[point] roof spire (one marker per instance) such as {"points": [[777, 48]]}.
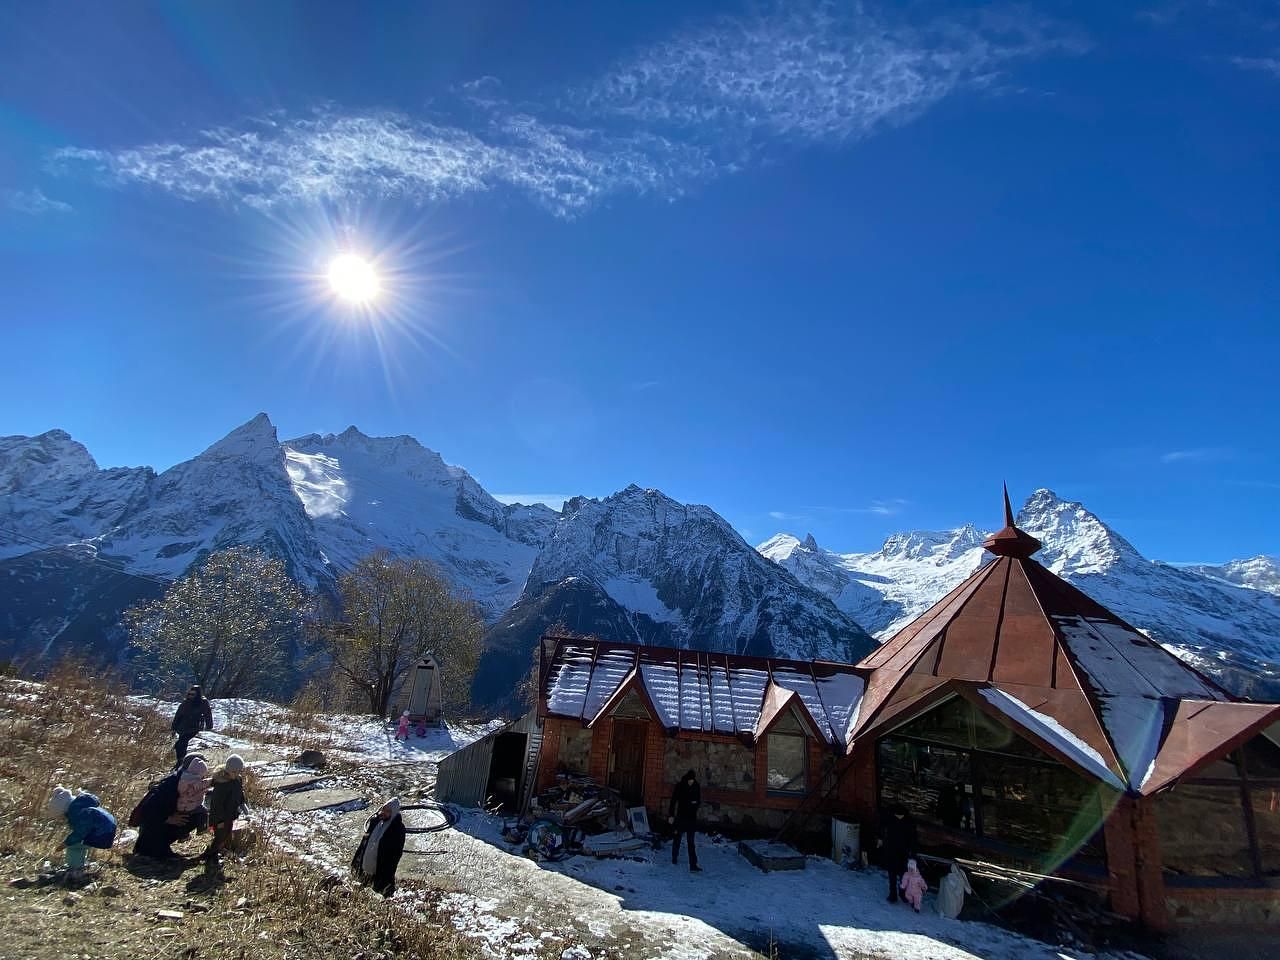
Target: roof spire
{"points": [[1011, 542]]}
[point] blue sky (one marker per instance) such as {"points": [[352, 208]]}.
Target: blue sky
{"points": [[827, 268]]}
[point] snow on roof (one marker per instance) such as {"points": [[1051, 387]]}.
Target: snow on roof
{"points": [[698, 691], [1051, 731], [1135, 726], [1121, 661]]}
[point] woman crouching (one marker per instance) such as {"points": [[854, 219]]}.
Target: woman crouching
{"points": [[379, 852]]}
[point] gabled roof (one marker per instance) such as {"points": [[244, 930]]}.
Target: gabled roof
{"points": [[1041, 651], [696, 691]]}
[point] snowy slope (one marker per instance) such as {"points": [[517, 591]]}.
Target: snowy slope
{"points": [[689, 579], [886, 589], [1258, 573], [365, 493], [235, 492], [52, 492], [1230, 631]]}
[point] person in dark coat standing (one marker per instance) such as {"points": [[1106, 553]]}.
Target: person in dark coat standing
{"points": [[193, 715], [379, 852], [683, 816], [898, 845], [159, 821]]}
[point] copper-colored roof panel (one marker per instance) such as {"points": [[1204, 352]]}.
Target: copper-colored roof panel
{"points": [[903, 647], [1026, 646], [971, 634], [1203, 731]]}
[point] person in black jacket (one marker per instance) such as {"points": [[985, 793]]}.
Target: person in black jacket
{"points": [[160, 824], [379, 852], [683, 815], [193, 715], [898, 845]]}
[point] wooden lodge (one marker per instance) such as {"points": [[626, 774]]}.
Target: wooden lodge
{"points": [[1019, 721]]}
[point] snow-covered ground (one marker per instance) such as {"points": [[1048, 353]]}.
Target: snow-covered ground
{"points": [[639, 906]]}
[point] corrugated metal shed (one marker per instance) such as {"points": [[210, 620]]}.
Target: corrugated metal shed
{"points": [[463, 776]]}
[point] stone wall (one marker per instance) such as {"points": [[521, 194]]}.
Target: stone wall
{"points": [[719, 766]]}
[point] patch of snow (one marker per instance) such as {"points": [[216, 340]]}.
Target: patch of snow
{"points": [[1052, 731]]}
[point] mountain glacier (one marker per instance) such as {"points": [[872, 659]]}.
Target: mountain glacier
{"points": [[1225, 629]]}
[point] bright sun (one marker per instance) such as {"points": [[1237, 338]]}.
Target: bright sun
{"points": [[353, 278]]}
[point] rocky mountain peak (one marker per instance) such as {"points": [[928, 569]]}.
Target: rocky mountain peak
{"points": [[1074, 539], [255, 440], [53, 456], [810, 544]]}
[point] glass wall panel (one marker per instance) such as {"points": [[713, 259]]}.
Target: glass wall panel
{"points": [[934, 782]]}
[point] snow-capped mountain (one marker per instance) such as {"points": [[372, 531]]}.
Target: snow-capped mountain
{"points": [[886, 589], [648, 569], [1227, 630], [364, 493], [1257, 573], [665, 572], [235, 492], [52, 492]]}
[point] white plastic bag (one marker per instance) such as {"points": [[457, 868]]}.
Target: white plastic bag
{"points": [[951, 892]]}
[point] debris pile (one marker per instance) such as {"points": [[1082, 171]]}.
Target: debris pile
{"points": [[579, 815]]}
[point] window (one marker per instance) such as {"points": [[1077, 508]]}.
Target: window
{"points": [[786, 762]]}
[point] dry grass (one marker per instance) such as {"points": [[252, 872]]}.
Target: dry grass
{"points": [[83, 731]]}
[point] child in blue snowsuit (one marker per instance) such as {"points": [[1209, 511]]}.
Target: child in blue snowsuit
{"points": [[91, 826]]}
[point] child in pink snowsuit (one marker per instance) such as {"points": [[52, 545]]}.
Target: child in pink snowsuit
{"points": [[402, 731], [913, 885]]}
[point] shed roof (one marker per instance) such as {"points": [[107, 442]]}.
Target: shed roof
{"points": [[1053, 660], [697, 691]]}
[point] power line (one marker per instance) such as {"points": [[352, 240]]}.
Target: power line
{"points": [[111, 565]]}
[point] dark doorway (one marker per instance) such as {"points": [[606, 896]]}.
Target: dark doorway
{"points": [[627, 763], [505, 770]]}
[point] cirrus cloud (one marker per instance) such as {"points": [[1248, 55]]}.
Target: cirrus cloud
{"points": [[704, 103]]}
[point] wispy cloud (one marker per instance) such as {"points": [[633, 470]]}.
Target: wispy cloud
{"points": [[33, 202], [1196, 455], [331, 156], [1269, 65], [553, 500], [784, 516], [885, 508], [701, 104], [821, 73]]}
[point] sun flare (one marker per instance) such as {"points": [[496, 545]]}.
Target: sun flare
{"points": [[353, 278]]}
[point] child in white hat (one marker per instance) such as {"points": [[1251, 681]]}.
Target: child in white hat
{"points": [[91, 826]]}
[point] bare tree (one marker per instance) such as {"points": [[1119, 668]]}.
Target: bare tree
{"points": [[229, 625], [394, 612]]}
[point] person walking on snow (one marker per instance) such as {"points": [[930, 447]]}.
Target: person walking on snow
{"points": [[193, 715], [897, 845], [683, 815], [226, 801], [402, 729], [91, 826], [379, 852], [913, 885]]}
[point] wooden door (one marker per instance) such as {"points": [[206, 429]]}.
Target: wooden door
{"points": [[626, 763]]}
